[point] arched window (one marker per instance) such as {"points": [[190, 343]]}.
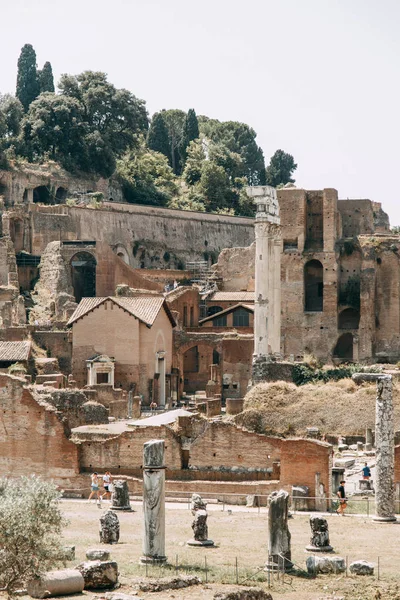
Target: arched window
{"points": [[191, 360], [83, 271], [216, 357], [212, 310], [241, 318], [313, 286], [349, 319], [344, 346]]}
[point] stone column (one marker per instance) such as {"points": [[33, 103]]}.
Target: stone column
{"points": [[153, 502], [384, 442], [368, 439], [267, 279], [279, 550], [120, 496]]}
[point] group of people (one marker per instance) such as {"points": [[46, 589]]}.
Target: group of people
{"points": [[95, 486]]}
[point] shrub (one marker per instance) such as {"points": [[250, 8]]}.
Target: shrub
{"points": [[30, 530], [17, 368], [303, 374]]}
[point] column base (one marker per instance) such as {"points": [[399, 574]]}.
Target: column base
{"points": [[153, 560], [319, 548], [199, 543], [391, 519], [125, 508]]}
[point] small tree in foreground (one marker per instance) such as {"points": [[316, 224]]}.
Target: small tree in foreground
{"points": [[30, 530]]}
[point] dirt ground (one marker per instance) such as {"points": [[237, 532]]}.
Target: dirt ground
{"points": [[241, 533]]}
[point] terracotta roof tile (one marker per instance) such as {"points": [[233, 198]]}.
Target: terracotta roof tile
{"points": [[13, 351], [233, 297]]}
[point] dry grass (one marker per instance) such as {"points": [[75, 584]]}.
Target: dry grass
{"points": [[242, 534], [339, 407]]}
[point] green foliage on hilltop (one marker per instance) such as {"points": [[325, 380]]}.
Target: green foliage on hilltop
{"points": [[178, 159]]}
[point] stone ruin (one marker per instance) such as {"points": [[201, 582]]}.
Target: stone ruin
{"points": [[319, 541], [120, 495], [199, 525], [279, 548], [109, 528]]}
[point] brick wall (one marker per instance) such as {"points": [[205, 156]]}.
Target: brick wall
{"points": [[302, 459], [59, 345], [32, 438]]}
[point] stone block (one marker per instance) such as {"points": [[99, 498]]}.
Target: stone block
{"points": [[325, 564], [166, 583], [362, 567], [342, 447], [97, 554], [300, 493], [109, 528], [244, 593], [365, 484], [234, 406], [69, 552], [344, 462], [98, 574]]}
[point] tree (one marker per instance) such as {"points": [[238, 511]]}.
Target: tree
{"points": [[190, 132], [280, 169], [116, 114], [157, 137], [55, 125], [46, 78], [28, 86], [175, 119], [194, 162], [11, 113], [240, 139], [146, 177], [30, 530], [214, 184]]}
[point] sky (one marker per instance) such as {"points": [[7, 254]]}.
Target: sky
{"points": [[317, 78]]}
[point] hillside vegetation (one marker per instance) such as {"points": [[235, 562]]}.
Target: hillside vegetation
{"points": [[336, 408], [174, 159]]}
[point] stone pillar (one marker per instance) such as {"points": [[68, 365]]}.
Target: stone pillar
{"points": [[384, 442], [109, 528], [319, 541], [279, 550], [153, 502], [136, 407], [199, 525], [267, 307]]}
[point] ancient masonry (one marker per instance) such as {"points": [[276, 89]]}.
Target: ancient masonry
{"points": [[154, 502]]}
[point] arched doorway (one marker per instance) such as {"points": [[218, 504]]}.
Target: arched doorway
{"points": [[313, 286], [41, 194], [344, 347], [83, 274], [61, 195], [17, 234], [122, 253], [349, 319]]}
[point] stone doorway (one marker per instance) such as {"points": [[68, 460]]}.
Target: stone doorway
{"points": [[344, 347], [83, 274]]}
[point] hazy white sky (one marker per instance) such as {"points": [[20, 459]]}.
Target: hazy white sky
{"points": [[318, 78]]}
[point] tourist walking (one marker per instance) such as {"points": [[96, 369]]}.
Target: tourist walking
{"points": [[95, 487], [107, 484], [366, 471], [341, 494]]}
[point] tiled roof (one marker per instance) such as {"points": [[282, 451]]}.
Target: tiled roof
{"points": [[249, 307], [233, 297], [13, 351], [145, 308]]}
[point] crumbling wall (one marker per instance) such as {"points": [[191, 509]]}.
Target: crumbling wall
{"points": [[235, 269], [32, 437], [53, 294]]}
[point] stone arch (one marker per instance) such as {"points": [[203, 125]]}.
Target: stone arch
{"points": [[313, 286], [344, 347], [61, 195], [122, 252], [349, 318], [41, 194], [83, 275]]}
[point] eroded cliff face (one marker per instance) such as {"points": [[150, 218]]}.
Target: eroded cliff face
{"points": [[52, 297]]}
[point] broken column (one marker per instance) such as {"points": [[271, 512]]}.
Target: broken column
{"points": [[199, 525], [267, 308], [56, 583], [384, 443], [279, 550], [153, 502], [120, 496], [319, 541]]}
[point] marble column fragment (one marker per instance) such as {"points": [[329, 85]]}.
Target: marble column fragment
{"points": [[279, 549], [319, 541], [153, 502], [384, 443], [120, 496]]}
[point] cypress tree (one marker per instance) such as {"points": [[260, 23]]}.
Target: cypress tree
{"points": [[46, 78], [28, 86], [157, 138], [190, 132]]}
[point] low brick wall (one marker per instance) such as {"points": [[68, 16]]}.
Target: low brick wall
{"points": [[234, 406]]}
